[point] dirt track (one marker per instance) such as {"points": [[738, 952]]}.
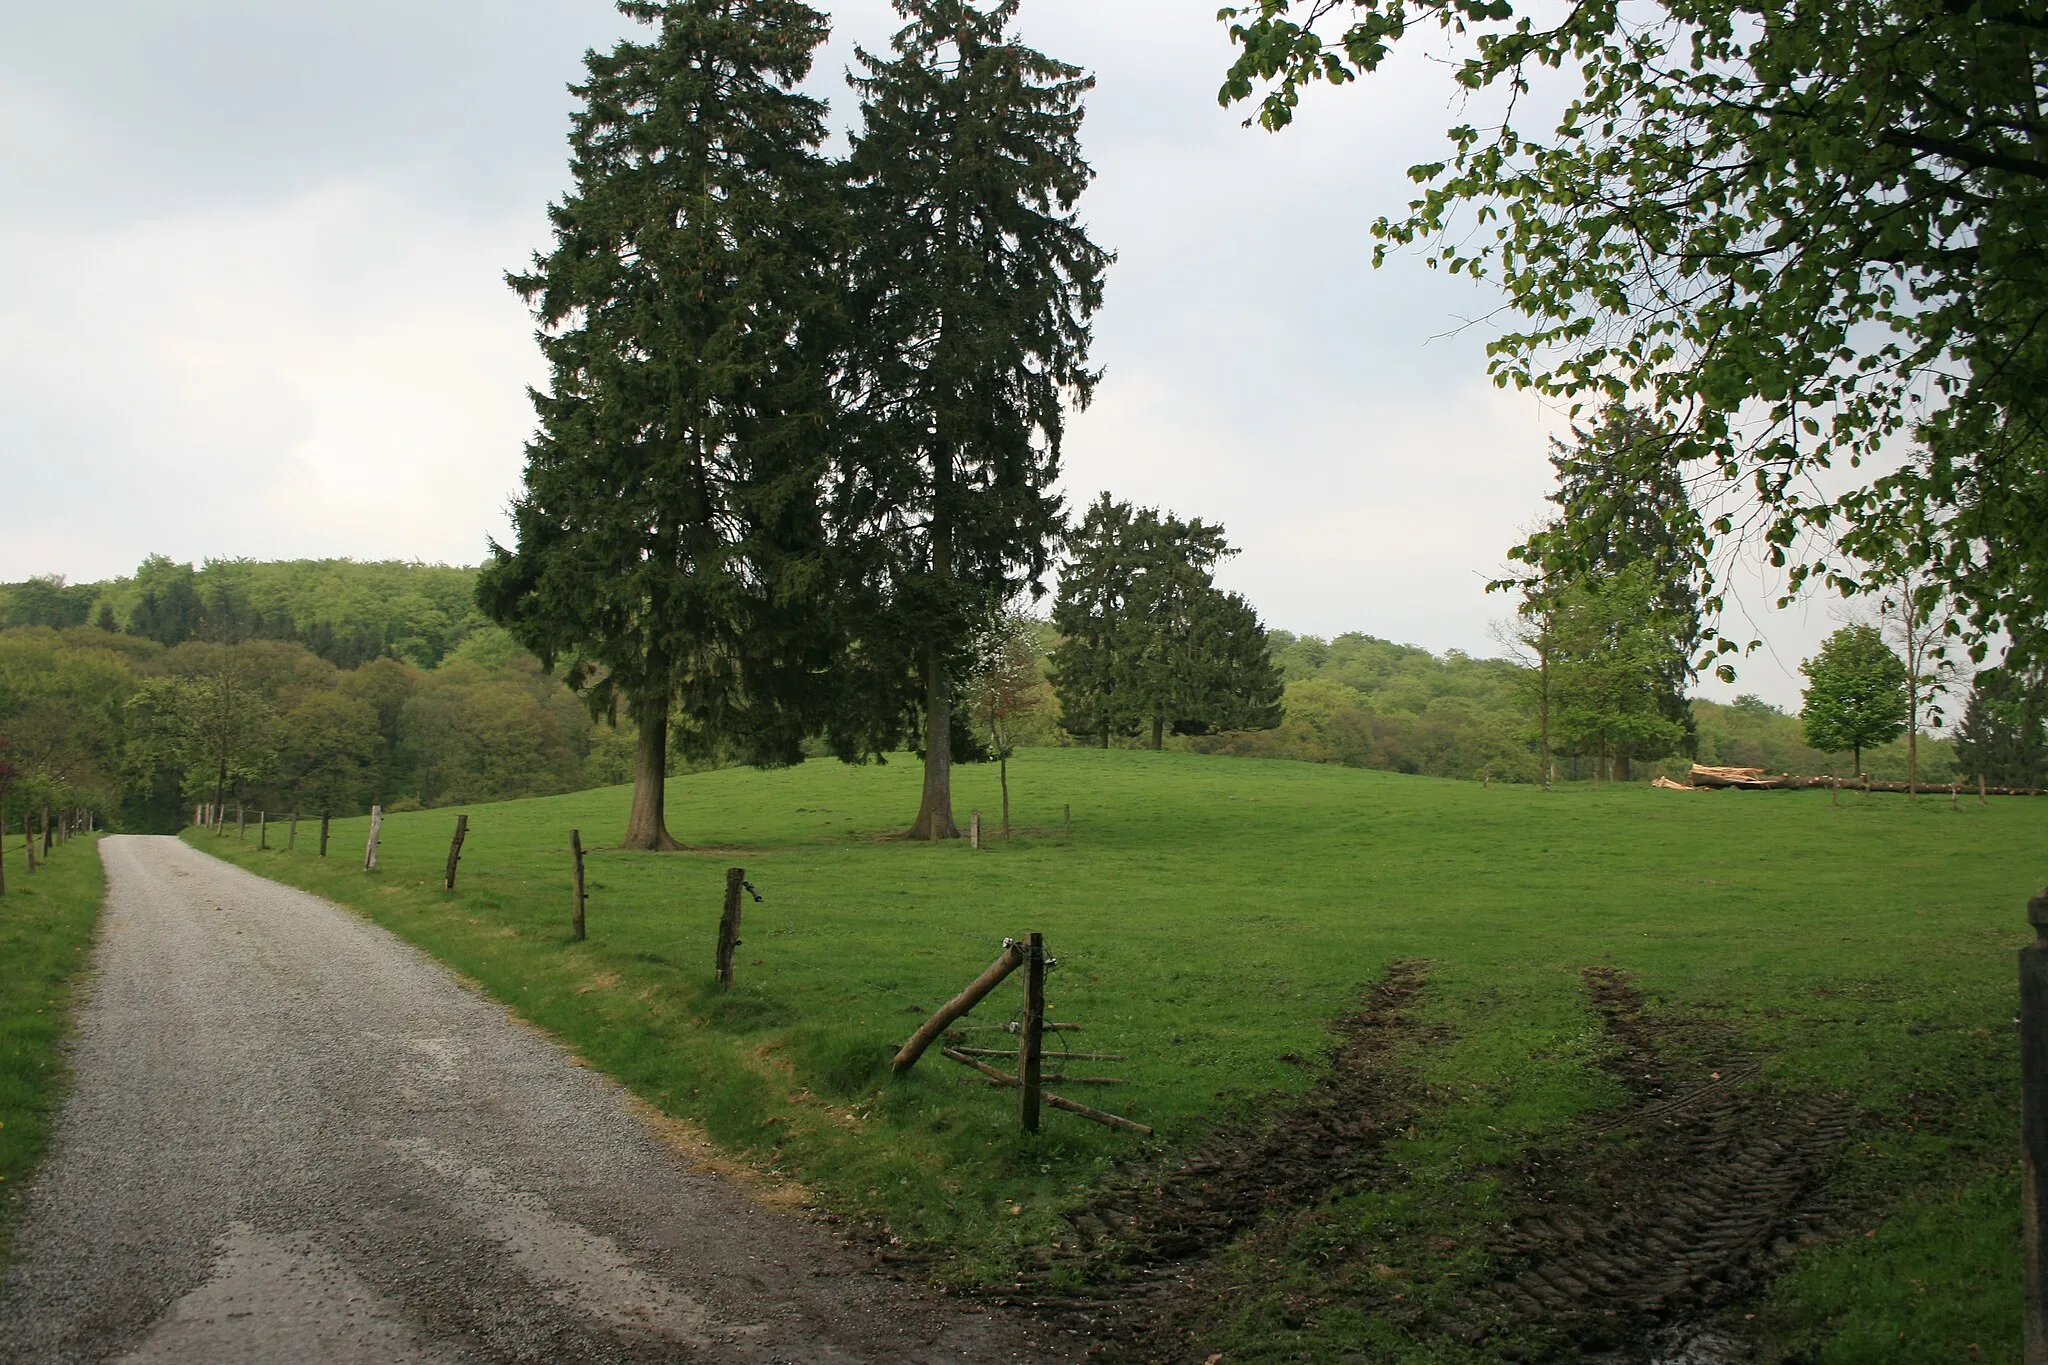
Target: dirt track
{"points": [[293, 1138]]}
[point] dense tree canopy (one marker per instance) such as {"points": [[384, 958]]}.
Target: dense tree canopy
{"points": [[1798, 233]]}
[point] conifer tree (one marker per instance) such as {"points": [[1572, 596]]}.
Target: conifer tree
{"points": [[1149, 640], [2003, 737], [973, 282], [668, 539]]}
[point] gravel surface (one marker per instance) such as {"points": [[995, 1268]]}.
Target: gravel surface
{"points": [[294, 1138]]}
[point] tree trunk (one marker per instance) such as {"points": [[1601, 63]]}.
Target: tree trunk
{"points": [[1158, 732], [1913, 750], [1105, 734], [647, 825], [1621, 763], [935, 814], [1545, 768]]}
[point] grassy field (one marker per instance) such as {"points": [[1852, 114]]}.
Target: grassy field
{"points": [[46, 925], [1211, 917]]}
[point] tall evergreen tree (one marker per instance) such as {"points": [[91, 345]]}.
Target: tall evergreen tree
{"points": [[668, 540], [2003, 736], [973, 281], [1624, 505], [1149, 640]]}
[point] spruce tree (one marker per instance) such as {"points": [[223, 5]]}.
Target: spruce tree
{"points": [[2003, 736], [973, 282], [1624, 504], [1149, 640], [668, 538]]}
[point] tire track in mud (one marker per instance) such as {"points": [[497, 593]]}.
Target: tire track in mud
{"points": [[1680, 1205], [1129, 1275]]}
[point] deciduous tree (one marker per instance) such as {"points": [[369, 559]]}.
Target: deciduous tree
{"points": [[1855, 693], [1786, 228]]}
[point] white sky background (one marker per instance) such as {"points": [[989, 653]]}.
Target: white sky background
{"points": [[254, 302]]}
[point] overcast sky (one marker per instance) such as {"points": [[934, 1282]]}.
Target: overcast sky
{"points": [[254, 301]]}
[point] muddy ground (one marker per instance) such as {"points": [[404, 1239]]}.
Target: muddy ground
{"points": [[1640, 1238]]}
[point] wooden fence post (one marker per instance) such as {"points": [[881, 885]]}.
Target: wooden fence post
{"points": [[1983, 796], [729, 925], [46, 833], [325, 819], [241, 821], [2034, 1124], [974, 829], [455, 850], [28, 840], [1031, 1034], [376, 833], [263, 829], [291, 842], [1067, 818], [576, 886]]}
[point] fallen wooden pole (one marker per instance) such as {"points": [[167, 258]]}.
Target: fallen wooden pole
{"points": [[1063, 1056], [1012, 958], [999, 1077], [1107, 1120]]}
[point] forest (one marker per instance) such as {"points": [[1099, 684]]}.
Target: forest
{"points": [[327, 686]]}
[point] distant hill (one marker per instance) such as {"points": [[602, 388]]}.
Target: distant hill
{"points": [[345, 611]]}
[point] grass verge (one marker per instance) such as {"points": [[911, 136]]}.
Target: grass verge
{"points": [[46, 927], [1211, 916]]}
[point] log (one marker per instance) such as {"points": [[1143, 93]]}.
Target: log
{"points": [[1012, 958]]}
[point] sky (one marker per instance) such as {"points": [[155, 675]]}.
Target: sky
{"points": [[254, 302]]}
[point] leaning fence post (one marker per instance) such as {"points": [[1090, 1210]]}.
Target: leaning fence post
{"points": [[455, 850], [1031, 1033], [729, 925], [576, 885], [2034, 1121], [376, 832], [325, 819]]}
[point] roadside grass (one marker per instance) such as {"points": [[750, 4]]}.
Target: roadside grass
{"points": [[46, 928], [1210, 917]]}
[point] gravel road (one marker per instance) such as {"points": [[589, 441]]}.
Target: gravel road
{"points": [[294, 1138]]}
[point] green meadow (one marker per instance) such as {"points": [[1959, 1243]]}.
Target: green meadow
{"points": [[46, 927], [1210, 917]]}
